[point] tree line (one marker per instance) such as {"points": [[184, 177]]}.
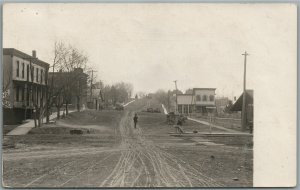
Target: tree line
{"points": [[66, 83], [67, 80]]}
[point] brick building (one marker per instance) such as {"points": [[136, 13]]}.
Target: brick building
{"points": [[76, 82]]}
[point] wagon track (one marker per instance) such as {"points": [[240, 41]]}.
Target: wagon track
{"points": [[142, 164]]}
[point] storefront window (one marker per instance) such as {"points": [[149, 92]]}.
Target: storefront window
{"points": [[185, 109], [180, 108]]}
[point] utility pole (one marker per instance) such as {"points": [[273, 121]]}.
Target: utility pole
{"points": [[244, 112], [176, 110]]}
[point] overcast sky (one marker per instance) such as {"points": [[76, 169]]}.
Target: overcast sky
{"points": [[150, 46]]}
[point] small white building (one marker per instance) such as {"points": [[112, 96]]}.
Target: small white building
{"points": [[197, 102]]}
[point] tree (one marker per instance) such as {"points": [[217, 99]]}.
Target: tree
{"points": [[162, 96], [116, 93], [6, 88], [60, 52], [189, 91], [141, 94], [66, 59]]}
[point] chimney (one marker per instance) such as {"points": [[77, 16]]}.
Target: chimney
{"points": [[34, 53]]}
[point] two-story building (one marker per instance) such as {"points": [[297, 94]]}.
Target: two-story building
{"points": [[197, 102], [76, 82], [24, 84]]}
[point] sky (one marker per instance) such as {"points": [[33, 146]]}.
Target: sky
{"points": [[151, 45]]}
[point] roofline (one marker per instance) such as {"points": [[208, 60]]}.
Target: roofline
{"points": [[204, 88], [55, 73], [18, 53]]}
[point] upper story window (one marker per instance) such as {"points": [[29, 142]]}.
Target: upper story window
{"points": [[211, 98], [198, 98], [204, 98], [18, 68], [27, 72], [32, 73], [37, 74], [42, 72], [23, 69]]}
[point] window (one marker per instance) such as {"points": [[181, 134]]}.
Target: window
{"points": [[23, 68], [37, 74], [37, 96], [204, 98], [32, 73], [42, 72], [27, 96], [185, 109], [23, 94], [191, 109], [18, 68], [211, 98], [32, 95], [198, 98], [180, 108], [27, 72]]}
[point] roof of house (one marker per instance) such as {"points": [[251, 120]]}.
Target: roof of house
{"points": [[185, 94], [204, 88], [15, 52], [237, 106]]}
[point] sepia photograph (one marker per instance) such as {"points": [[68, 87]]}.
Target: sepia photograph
{"points": [[140, 95]]}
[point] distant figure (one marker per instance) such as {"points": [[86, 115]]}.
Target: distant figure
{"points": [[177, 127], [135, 120], [179, 122]]}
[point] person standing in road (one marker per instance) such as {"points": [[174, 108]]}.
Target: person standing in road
{"points": [[135, 120]]}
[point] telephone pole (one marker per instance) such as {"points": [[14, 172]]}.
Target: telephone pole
{"points": [[244, 112], [175, 81]]}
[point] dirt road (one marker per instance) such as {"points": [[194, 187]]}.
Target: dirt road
{"points": [[142, 164], [117, 156]]}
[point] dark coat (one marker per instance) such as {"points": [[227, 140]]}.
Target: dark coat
{"points": [[135, 118]]}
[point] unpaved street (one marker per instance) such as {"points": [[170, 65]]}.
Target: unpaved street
{"points": [[142, 164], [117, 155]]}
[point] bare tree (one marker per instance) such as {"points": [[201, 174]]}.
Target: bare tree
{"points": [[60, 52], [141, 94], [66, 59], [7, 78]]}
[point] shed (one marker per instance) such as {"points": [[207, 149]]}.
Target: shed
{"points": [[237, 106]]}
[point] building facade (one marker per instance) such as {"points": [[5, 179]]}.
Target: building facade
{"points": [[221, 104], [71, 86], [24, 85], [199, 101]]}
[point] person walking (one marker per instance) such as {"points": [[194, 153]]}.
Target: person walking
{"points": [[135, 120]]}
